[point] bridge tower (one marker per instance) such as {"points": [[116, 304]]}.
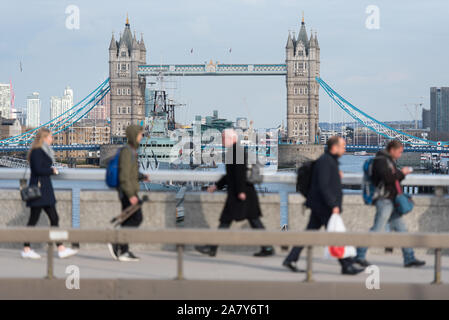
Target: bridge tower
{"points": [[127, 88], [303, 65]]}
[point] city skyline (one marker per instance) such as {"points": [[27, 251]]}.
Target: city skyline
{"points": [[375, 69]]}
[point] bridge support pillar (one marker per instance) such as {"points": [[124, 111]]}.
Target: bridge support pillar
{"points": [[293, 155]]}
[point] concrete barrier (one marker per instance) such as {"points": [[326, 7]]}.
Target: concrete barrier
{"points": [[430, 214], [14, 212], [202, 210]]}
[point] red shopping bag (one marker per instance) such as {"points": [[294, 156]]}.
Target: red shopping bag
{"points": [[336, 224]]}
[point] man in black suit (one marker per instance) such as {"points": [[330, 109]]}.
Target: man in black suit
{"points": [[242, 201], [324, 198]]}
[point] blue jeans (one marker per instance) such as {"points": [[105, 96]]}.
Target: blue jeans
{"points": [[387, 216]]}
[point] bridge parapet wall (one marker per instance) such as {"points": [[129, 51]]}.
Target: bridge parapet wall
{"points": [[202, 210]]}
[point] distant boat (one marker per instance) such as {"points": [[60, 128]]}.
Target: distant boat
{"points": [[360, 153]]}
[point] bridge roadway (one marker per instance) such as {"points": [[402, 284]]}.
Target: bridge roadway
{"points": [[161, 265]]}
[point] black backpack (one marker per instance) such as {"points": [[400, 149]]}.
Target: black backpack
{"points": [[304, 178]]}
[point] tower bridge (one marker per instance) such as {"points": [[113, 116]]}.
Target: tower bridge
{"points": [[128, 70]]}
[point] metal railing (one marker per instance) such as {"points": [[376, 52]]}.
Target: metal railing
{"points": [[183, 237], [212, 176]]}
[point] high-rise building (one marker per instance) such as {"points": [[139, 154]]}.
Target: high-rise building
{"points": [[439, 113], [127, 87], [303, 65], [59, 105], [22, 116], [33, 110], [426, 119], [5, 100]]}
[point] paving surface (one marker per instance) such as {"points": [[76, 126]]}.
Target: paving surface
{"points": [[225, 266]]}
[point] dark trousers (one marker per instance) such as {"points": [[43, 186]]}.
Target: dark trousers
{"points": [[34, 218], [132, 222], [255, 223], [316, 221]]}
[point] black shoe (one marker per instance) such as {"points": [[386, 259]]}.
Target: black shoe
{"points": [[128, 256], [206, 250], [388, 250], [265, 252], [414, 263], [292, 267], [351, 270], [113, 250], [362, 262]]}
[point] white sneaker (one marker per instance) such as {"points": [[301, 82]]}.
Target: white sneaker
{"points": [[67, 252], [30, 255]]}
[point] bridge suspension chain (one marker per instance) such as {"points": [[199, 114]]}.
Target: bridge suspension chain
{"points": [[375, 125], [64, 120]]}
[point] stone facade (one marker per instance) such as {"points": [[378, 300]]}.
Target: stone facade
{"points": [[85, 131], [303, 65], [127, 88], [293, 155]]}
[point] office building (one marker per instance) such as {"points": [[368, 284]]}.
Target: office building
{"points": [[439, 113], [60, 105], [5, 100], [33, 110]]}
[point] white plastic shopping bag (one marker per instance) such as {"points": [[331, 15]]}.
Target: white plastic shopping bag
{"points": [[336, 224]]}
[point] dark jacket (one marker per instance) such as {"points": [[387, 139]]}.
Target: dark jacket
{"points": [[41, 170], [129, 175], [385, 173], [236, 181], [325, 189]]}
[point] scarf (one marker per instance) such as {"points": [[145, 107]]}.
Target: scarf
{"points": [[49, 151]]}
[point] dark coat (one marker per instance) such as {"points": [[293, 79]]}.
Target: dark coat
{"points": [[385, 174], [236, 182], [325, 189], [41, 171]]}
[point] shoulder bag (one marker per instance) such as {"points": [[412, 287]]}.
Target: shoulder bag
{"points": [[27, 192]]}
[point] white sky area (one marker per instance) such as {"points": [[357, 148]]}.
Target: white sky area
{"points": [[377, 70]]}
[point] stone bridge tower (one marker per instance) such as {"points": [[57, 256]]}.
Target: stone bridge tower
{"points": [[303, 65], [127, 88]]}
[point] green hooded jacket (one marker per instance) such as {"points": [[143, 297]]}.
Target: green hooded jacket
{"points": [[129, 175]]}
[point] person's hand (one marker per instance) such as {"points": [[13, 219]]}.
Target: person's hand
{"points": [[55, 171], [406, 170], [242, 196], [341, 174], [212, 188], [336, 210], [147, 178], [133, 200]]}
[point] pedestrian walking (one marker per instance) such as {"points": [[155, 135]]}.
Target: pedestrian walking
{"points": [[324, 198], [386, 177], [128, 189], [242, 201], [41, 159]]}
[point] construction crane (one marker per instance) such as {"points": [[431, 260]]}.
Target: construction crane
{"points": [[417, 108]]}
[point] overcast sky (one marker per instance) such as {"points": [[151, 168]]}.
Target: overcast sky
{"points": [[377, 70]]}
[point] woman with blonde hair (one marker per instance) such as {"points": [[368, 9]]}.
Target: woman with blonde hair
{"points": [[41, 158]]}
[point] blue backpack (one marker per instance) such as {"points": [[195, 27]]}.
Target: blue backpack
{"points": [[368, 187], [112, 174]]}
